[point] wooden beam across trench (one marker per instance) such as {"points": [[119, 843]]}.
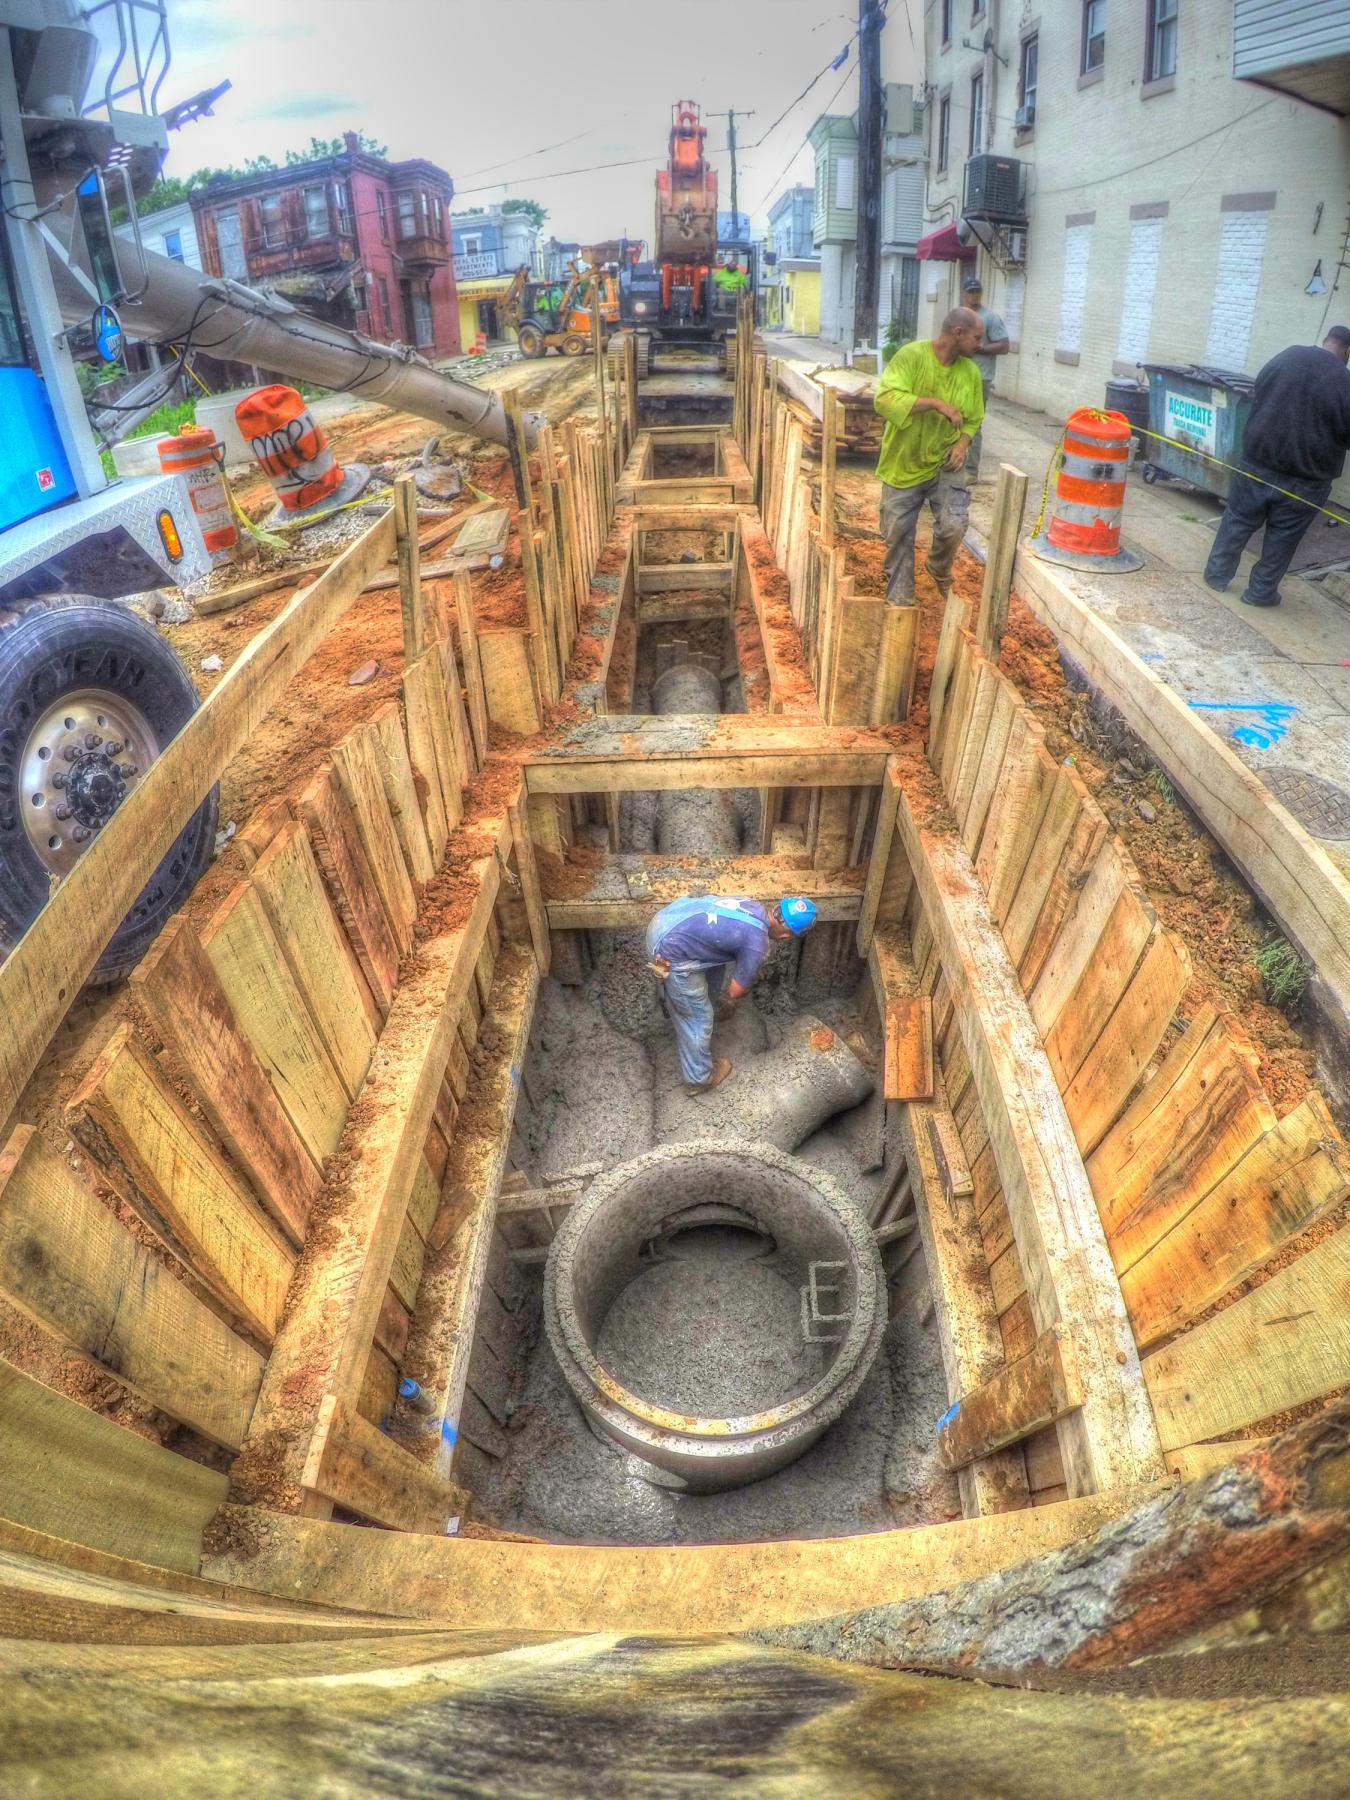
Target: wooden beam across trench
{"points": [[626, 890], [306, 1447], [627, 753]]}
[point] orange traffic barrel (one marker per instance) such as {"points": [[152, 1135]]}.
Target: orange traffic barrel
{"points": [[196, 456], [1083, 527], [293, 451]]}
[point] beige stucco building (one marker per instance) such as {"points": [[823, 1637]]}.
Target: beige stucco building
{"points": [[1173, 211]]}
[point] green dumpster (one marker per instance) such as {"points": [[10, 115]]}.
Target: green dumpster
{"points": [[1196, 409]]}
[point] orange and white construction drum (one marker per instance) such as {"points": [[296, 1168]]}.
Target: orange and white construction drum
{"points": [[1082, 529], [293, 451], [196, 456]]}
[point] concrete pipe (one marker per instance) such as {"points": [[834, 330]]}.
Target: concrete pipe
{"points": [[708, 1386], [686, 688], [702, 822], [779, 1097]]}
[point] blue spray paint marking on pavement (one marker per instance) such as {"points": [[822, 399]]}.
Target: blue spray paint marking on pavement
{"points": [[1273, 714]]}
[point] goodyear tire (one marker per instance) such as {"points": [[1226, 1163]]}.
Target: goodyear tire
{"points": [[67, 665]]}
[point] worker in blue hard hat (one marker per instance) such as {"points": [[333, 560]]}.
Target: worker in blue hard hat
{"points": [[688, 939]]}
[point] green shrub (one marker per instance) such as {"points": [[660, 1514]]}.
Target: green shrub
{"points": [[1283, 972]]}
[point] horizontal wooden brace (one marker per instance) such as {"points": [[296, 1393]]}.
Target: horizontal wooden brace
{"points": [[627, 890], [1033, 1392], [627, 753], [669, 578]]}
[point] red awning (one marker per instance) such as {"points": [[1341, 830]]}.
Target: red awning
{"points": [[944, 246]]}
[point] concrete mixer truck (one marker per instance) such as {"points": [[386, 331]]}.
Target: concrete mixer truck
{"points": [[90, 693]]}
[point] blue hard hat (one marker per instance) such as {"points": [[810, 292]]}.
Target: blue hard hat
{"points": [[797, 913]]}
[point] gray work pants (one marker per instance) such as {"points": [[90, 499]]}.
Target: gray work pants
{"points": [[948, 495]]}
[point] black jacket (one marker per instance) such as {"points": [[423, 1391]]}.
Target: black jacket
{"points": [[1300, 417]]}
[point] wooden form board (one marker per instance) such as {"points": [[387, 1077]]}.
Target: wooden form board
{"points": [[357, 1466], [1034, 1391], [74, 1475], [790, 688], [626, 890], [67, 1262], [1289, 869], [1110, 1440], [629, 753], [43, 974]]}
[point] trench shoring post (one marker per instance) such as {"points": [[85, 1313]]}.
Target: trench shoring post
{"points": [[1010, 500], [412, 601]]}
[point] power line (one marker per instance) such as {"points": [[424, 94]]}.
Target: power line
{"points": [[526, 155], [763, 205]]}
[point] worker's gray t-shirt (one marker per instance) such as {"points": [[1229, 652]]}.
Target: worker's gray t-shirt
{"points": [[995, 332]]}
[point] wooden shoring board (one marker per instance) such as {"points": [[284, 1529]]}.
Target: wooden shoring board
{"points": [[42, 975], [630, 753], [1110, 1441], [340, 855], [790, 689], [358, 764], [325, 1339], [628, 889], [1289, 869], [482, 534], [177, 990], [355, 1465], [441, 1340], [1035, 1391], [434, 776], [669, 578], [1281, 1345], [274, 1019], [161, 1162], [721, 517], [400, 792], [510, 686], [1294, 1175], [72, 1474], [67, 1262], [1015, 809]]}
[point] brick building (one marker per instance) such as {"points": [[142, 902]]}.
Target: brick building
{"points": [[353, 238], [1175, 211]]}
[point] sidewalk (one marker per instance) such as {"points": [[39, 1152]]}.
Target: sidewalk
{"points": [[1274, 683]]}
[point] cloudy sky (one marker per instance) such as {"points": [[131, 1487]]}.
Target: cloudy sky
{"points": [[510, 95]]}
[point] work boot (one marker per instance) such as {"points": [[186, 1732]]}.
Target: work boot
{"points": [[721, 1069], [944, 587], [1250, 599]]}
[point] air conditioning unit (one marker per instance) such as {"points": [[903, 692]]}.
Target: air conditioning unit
{"points": [[1025, 116], [1017, 247], [996, 190]]}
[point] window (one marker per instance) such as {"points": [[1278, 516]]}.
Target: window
{"points": [[1094, 35], [359, 297], [273, 218], [977, 115], [944, 131], [947, 8], [473, 243], [383, 286], [316, 212], [173, 245], [381, 214], [419, 295], [407, 215], [1162, 40], [343, 194], [843, 182], [1026, 79], [437, 227]]}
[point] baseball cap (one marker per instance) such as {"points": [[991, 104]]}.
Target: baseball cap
{"points": [[972, 284], [797, 913]]}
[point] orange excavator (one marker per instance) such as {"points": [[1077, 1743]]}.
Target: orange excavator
{"points": [[556, 315]]}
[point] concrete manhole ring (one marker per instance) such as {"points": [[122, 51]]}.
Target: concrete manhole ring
{"points": [[819, 1246]]}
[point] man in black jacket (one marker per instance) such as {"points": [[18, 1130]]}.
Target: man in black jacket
{"points": [[1296, 439]]}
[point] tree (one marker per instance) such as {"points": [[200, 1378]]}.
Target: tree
{"points": [[334, 146], [531, 209]]}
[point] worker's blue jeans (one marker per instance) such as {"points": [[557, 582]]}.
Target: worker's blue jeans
{"points": [[689, 1007], [1255, 503]]}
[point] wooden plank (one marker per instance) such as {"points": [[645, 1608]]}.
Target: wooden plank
{"points": [[357, 763], [1194, 1461], [528, 873], [318, 954], [626, 890], [690, 518], [1290, 871], [473, 668], [437, 783], [1286, 1342], [1116, 1062], [67, 1262], [273, 1017], [1293, 1176], [1010, 498], [883, 838], [127, 1115], [400, 792], [45, 971], [909, 1049], [637, 752], [412, 603], [989, 770], [72, 1474], [338, 850], [481, 534], [355, 1465], [1083, 843], [965, 764], [955, 612], [177, 989], [681, 578], [1080, 943], [1131, 929], [340, 1285], [949, 1154], [1015, 809], [1032, 1392], [1110, 1440], [510, 683]]}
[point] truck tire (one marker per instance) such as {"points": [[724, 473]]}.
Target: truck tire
{"points": [[532, 341], [67, 668]]}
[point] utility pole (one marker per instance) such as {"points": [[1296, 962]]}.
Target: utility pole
{"points": [[730, 116], [870, 131]]}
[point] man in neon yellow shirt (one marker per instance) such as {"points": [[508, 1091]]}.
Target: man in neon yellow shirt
{"points": [[932, 399]]}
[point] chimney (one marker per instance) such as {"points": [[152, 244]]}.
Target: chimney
{"points": [[352, 142]]}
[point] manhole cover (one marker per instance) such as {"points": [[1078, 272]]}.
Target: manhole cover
{"points": [[1319, 805]]}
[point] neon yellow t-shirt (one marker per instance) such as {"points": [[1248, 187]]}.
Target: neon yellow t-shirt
{"points": [[914, 445]]}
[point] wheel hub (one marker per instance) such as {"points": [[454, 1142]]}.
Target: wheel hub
{"points": [[83, 756]]}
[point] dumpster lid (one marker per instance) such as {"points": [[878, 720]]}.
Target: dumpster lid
{"points": [[1206, 375]]}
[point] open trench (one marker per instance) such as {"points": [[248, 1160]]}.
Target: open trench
{"points": [[702, 1311]]}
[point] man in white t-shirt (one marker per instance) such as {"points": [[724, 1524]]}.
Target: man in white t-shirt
{"points": [[995, 345]]}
